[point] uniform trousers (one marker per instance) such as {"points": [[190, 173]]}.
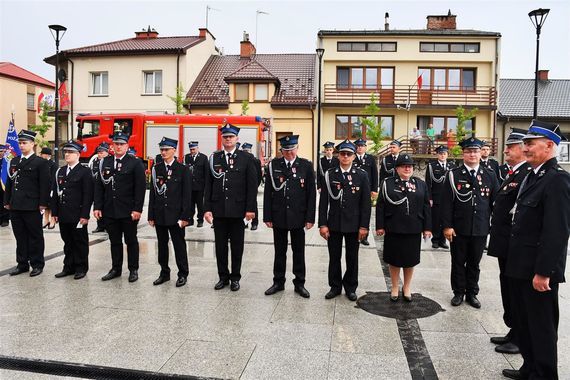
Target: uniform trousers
{"points": [[197, 202], [117, 228], [466, 253], [232, 229], [506, 298], [280, 240], [4, 214], [350, 279], [179, 244], [535, 319], [437, 228], [30, 245], [75, 247]]}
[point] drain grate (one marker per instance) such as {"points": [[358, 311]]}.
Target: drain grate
{"points": [[379, 303], [84, 371]]}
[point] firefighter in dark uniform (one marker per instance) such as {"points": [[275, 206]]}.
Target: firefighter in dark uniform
{"points": [[27, 196], [366, 162], [289, 202], [487, 161], [538, 246], [344, 213], [501, 230], [325, 163], [229, 197], [198, 164], [388, 163], [468, 198], [119, 198], [435, 180], [246, 147], [503, 172], [4, 214], [102, 152], [46, 154], [72, 197], [169, 209]]}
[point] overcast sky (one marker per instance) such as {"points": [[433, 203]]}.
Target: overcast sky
{"points": [[290, 27]]}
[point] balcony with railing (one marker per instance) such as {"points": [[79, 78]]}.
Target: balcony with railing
{"points": [[484, 97]]}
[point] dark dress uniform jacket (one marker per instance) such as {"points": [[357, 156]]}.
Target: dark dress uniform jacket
{"points": [[368, 164], [387, 167], [75, 196], [294, 204], [501, 219], [411, 217], [125, 192], [435, 180], [198, 168], [231, 192], [324, 166], [174, 204], [493, 166], [541, 226], [352, 210], [467, 204], [503, 172], [30, 187]]}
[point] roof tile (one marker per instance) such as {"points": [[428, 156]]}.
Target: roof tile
{"points": [[516, 98], [14, 71]]}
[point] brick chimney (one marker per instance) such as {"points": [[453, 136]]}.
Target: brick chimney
{"points": [[543, 75], [438, 22], [147, 34], [246, 48]]}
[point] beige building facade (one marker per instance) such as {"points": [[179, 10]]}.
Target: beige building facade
{"points": [[418, 77]]}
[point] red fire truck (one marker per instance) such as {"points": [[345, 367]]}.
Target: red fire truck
{"points": [[146, 130]]}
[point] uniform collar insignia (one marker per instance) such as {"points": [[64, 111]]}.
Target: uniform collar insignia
{"points": [[541, 172]]}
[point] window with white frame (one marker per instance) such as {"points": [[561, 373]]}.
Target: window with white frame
{"points": [[261, 92], [152, 82], [100, 83], [31, 101], [564, 153]]}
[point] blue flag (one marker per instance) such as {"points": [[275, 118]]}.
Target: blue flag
{"points": [[12, 150]]}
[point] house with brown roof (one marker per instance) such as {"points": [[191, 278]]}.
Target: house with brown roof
{"points": [[278, 87], [135, 74], [19, 92]]}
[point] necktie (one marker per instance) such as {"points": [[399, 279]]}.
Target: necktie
{"points": [[229, 155], [23, 159], [117, 163], [168, 168], [288, 165], [67, 172], [472, 171]]}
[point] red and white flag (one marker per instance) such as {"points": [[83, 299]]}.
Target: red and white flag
{"points": [[63, 96], [40, 99]]}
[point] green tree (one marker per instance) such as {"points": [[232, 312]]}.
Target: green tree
{"points": [[373, 124], [244, 107], [180, 98], [46, 124], [463, 116]]}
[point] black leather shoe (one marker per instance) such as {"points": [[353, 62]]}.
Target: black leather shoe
{"points": [[254, 227], [36, 272], [97, 230], [63, 273], [16, 271], [200, 224], [274, 289], [234, 286], [332, 294], [513, 374], [457, 300], [300, 290], [79, 275], [221, 284], [161, 280], [180, 282], [111, 275], [473, 301], [133, 276], [434, 245], [508, 348], [444, 246], [364, 242], [351, 296], [501, 339]]}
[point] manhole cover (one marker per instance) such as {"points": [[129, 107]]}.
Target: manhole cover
{"points": [[379, 303]]}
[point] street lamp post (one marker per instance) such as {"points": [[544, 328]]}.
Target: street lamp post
{"points": [[320, 53], [538, 16], [55, 32]]}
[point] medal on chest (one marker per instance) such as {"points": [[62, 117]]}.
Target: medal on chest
{"points": [[302, 181], [294, 171], [231, 163]]}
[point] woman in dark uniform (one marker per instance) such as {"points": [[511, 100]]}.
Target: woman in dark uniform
{"points": [[402, 215]]}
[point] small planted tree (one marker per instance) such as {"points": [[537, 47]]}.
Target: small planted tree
{"points": [[244, 107], [46, 124], [374, 130], [462, 117], [179, 99]]}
